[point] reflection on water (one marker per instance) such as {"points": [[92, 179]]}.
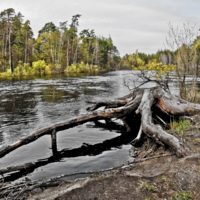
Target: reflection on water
{"points": [[93, 155], [1, 137], [28, 105], [51, 94]]}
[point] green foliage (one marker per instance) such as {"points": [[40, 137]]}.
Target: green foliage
{"points": [[168, 180], [48, 27], [180, 127], [182, 196], [196, 141], [146, 57], [54, 50]]}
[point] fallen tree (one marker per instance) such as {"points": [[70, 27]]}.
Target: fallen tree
{"points": [[141, 105]]}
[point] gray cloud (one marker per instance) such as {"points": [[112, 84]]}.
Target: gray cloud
{"points": [[133, 24]]}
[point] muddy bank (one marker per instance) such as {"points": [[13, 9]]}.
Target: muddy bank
{"points": [[162, 178]]}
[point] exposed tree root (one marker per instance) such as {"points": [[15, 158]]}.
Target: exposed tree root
{"points": [[167, 104]]}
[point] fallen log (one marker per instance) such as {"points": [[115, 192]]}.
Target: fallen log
{"points": [[140, 101]]}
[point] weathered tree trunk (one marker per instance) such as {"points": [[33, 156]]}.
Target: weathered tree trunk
{"points": [[145, 102]]}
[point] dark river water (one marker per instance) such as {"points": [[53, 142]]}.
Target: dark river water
{"points": [[28, 105]]}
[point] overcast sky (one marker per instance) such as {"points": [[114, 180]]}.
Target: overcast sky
{"points": [[132, 24]]}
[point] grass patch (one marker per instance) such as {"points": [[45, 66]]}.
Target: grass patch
{"points": [[180, 127], [196, 141], [182, 196], [167, 180], [144, 185]]}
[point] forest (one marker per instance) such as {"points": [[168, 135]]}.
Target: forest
{"points": [[56, 49], [65, 48]]}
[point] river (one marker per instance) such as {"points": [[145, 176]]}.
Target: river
{"points": [[28, 105]]}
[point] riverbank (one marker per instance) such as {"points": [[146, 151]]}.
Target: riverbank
{"points": [[154, 174], [33, 74]]}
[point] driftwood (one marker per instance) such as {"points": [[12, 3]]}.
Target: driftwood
{"points": [[145, 104], [17, 191]]}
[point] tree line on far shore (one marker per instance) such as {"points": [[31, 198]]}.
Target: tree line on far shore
{"points": [[64, 48], [55, 50]]}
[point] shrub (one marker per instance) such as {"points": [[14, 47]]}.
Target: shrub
{"points": [[49, 69], [71, 68], [23, 69], [39, 67], [81, 68], [19, 69]]}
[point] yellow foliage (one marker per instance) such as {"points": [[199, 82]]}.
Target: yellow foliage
{"points": [[48, 69], [135, 61], [81, 68], [7, 73], [39, 67], [158, 68], [24, 69]]}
